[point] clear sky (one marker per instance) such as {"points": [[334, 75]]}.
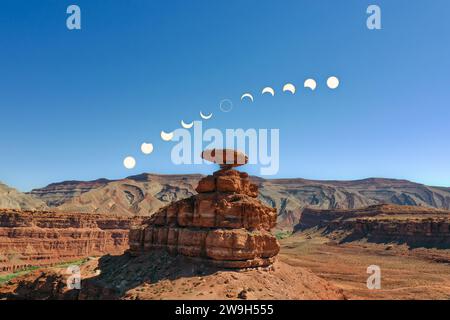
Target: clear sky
{"points": [[73, 104]]}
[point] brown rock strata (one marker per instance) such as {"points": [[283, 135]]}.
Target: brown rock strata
{"points": [[30, 238], [415, 226]]}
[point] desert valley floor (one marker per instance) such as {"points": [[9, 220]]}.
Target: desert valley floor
{"points": [[405, 273], [327, 270]]}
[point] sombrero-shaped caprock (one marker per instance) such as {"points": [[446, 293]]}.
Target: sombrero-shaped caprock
{"points": [[226, 158]]}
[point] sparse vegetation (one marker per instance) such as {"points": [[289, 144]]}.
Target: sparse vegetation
{"points": [[282, 234], [72, 263], [10, 276]]}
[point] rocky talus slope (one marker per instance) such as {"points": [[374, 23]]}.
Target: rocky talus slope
{"points": [[31, 238], [224, 224], [415, 226]]}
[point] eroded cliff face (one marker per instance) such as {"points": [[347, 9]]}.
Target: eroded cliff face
{"points": [[292, 196], [225, 224], [416, 232], [415, 226], [30, 238]]}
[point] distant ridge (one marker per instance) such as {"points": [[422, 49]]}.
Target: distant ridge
{"points": [[10, 198], [143, 194], [138, 195]]}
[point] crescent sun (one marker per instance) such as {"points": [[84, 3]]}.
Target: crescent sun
{"points": [[187, 125], [247, 95], [289, 87], [166, 136], [268, 90], [310, 83], [205, 117]]}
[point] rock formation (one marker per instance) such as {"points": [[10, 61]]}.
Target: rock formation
{"points": [[31, 238], [146, 193], [224, 223], [415, 226]]}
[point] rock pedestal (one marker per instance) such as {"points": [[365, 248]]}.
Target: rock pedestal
{"points": [[224, 224]]}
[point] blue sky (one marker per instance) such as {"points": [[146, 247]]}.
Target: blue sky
{"points": [[73, 104]]}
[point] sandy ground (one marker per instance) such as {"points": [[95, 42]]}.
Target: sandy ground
{"points": [[165, 277], [405, 274], [282, 282]]}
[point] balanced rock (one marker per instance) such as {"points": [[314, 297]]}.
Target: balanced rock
{"points": [[225, 158], [224, 224]]}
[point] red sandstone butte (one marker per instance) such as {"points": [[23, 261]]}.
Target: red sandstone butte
{"points": [[224, 224]]}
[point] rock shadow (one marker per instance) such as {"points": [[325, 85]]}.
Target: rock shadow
{"points": [[118, 274]]}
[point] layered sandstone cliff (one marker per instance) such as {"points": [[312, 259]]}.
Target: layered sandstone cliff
{"points": [[224, 224], [415, 226], [30, 238], [415, 231]]}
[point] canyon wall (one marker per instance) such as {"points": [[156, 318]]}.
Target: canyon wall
{"points": [[416, 232], [415, 226], [30, 238]]}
